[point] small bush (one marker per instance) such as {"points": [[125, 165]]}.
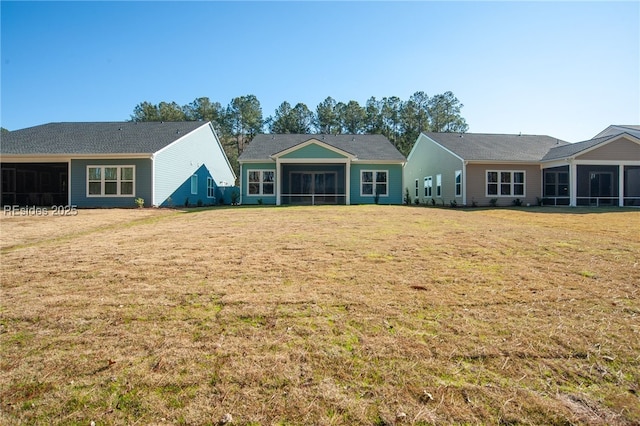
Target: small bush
{"points": [[493, 202], [199, 203], [139, 202], [517, 202], [453, 204]]}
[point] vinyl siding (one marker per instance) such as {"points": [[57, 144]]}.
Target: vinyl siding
{"points": [[394, 189], [476, 183], [427, 158], [198, 152], [313, 151], [78, 183], [244, 183], [618, 150]]}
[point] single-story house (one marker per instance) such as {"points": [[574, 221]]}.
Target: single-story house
{"points": [[481, 169], [110, 164], [320, 169]]}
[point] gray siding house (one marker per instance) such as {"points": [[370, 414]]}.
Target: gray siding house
{"points": [[474, 168], [110, 164], [320, 169]]}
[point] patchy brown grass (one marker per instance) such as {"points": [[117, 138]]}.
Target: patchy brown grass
{"points": [[324, 315]]}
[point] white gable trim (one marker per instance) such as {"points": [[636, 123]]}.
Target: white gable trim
{"points": [[436, 143], [605, 142], [310, 142]]}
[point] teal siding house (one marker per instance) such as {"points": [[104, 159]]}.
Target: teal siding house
{"points": [[110, 164], [285, 169]]}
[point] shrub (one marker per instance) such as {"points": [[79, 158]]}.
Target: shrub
{"points": [[407, 197], [493, 202], [139, 202], [517, 202]]}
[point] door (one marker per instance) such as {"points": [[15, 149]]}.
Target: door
{"points": [[601, 188], [313, 187]]}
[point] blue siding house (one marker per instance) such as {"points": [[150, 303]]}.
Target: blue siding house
{"points": [[284, 169], [111, 164]]}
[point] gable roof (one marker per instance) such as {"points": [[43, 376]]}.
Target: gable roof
{"points": [[616, 129], [573, 149], [363, 147], [95, 138], [496, 147]]}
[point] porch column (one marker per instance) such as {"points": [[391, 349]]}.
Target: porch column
{"points": [[573, 184], [621, 185], [278, 183], [347, 183]]}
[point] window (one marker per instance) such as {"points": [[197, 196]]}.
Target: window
{"points": [[438, 185], [428, 186], [417, 189], [373, 180], [110, 181], [211, 188], [194, 184], [505, 183], [556, 184], [261, 182], [458, 183]]}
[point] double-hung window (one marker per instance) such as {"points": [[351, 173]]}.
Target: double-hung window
{"points": [[458, 181], [438, 186], [211, 188], [194, 184], [374, 182], [417, 189], [110, 181], [261, 182], [502, 183], [428, 186]]}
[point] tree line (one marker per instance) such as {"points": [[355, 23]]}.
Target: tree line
{"points": [[236, 124]]}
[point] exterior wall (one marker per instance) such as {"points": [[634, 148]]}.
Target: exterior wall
{"points": [[617, 150], [245, 198], [313, 151], [477, 184], [395, 187], [175, 164], [427, 158], [78, 183]]}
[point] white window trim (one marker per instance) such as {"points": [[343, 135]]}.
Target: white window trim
{"points": [[118, 180], [374, 182], [458, 186], [194, 178], [261, 182], [512, 183], [211, 188], [417, 189], [438, 186], [429, 179]]}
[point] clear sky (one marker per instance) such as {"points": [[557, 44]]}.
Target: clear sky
{"points": [[564, 69]]}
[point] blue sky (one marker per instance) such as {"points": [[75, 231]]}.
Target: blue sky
{"points": [[565, 69]]}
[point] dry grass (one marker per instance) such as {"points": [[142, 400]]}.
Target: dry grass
{"points": [[325, 315]]}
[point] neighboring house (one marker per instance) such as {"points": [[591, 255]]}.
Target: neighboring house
{"points": [[320, 169], [110, 164], [473, 168]]}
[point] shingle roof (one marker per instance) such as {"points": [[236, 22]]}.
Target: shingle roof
{"points": [[497, 147], [95, 138], [364, 147], [572, 149]]}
